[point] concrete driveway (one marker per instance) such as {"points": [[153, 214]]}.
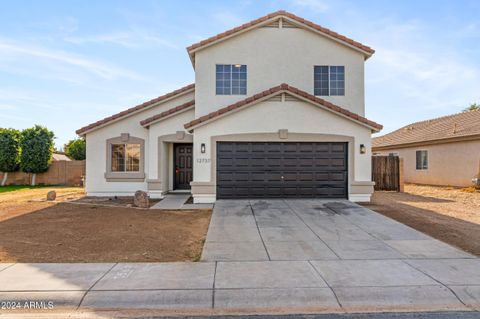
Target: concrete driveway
{"points": [[292, 230], [322, 252]]}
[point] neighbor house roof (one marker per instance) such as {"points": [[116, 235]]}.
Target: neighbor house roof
{"points": [[60, 156], [178, 109], [275, 91], [449, 128], [273, 16], [134, 109]]}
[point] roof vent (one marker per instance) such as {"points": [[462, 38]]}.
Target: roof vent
{"points": [[288, 24], [291, 98], [276, 98], [274, 24]]}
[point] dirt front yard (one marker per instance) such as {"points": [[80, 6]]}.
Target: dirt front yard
{"points": [[66, 231], [448, 214]]}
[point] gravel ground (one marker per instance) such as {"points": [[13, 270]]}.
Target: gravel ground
{"points": [[34, 230], [448, 214]]}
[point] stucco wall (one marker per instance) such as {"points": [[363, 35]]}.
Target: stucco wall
{"points": [[299, 118], [96, 183], [274, 56], [453, 164]]}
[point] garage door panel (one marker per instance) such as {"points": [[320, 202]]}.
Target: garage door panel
{"points": [[273, 147], [306, 148], [308, 162], [338, 147], [277, 169]]}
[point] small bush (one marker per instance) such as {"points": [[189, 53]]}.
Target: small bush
{"points": [[76, 149], [9, 150], [37, 149]]}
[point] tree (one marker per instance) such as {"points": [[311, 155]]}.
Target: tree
{"points": [[9, 152], [472, 107], [37, 150], [76, 149]]}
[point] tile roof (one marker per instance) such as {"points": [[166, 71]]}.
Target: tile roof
{"points": [[461, 125], [134, 109], [286, 14], [167, 113], [274, 91]]}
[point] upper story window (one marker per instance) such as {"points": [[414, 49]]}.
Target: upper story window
{"points": [[329, 80], [231, 79], [422, 159]]}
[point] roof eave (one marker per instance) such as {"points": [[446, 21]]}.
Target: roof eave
{"points": [[374, 129], [454, 139], [192, 51], [81, 133], [148, 124]]}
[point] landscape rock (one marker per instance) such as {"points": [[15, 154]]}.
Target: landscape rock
{"points": [[51, 195], [140, 199]]}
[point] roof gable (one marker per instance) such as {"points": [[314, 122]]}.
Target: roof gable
{"points": [[270, 93], [133, 110], [278, 19], [452, 127]]}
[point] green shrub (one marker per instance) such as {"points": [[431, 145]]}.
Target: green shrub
{"points": [[76, 149], [37, 149], [9, 150]]}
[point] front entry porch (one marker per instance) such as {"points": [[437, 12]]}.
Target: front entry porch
{"points": [[174, 165]]}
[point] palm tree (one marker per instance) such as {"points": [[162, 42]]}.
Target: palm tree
{"points": [[472, 107]]}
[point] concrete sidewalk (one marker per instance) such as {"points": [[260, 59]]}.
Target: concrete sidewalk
{"points": [[175, 201], [259, 286]]}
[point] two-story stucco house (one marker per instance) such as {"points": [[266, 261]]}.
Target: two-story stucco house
{"points": [[277, 110]]}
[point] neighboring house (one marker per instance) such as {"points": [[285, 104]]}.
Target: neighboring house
{"points": [[277, 110], [441, 151]]}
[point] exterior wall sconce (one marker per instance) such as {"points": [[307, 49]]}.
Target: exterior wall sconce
{"points": [[363, 149], [202, 148]]}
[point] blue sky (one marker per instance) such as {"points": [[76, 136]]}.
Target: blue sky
{"points": [[65, 64]]}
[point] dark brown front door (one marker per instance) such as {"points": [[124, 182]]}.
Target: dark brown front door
{"points": [[183, 170]]}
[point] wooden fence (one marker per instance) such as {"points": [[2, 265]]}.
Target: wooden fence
{"points": [[387, 173], [68, 173]]}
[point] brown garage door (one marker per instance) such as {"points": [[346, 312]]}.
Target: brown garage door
{"points": [[273, 169]]}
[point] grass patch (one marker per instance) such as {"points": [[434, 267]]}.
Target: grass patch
{"points": [[13, 188]]}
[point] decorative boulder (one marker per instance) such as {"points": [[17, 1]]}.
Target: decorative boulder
{"points": [[51, 195], [140, 199]]}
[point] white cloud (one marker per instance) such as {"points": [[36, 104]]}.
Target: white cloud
{"points": [[227, 19], [317, 6], [130, 39], [19, 57], [4, 107]]}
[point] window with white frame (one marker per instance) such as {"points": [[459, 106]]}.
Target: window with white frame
{"points": [[231, 79], [422, 160], [329, 80]]}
